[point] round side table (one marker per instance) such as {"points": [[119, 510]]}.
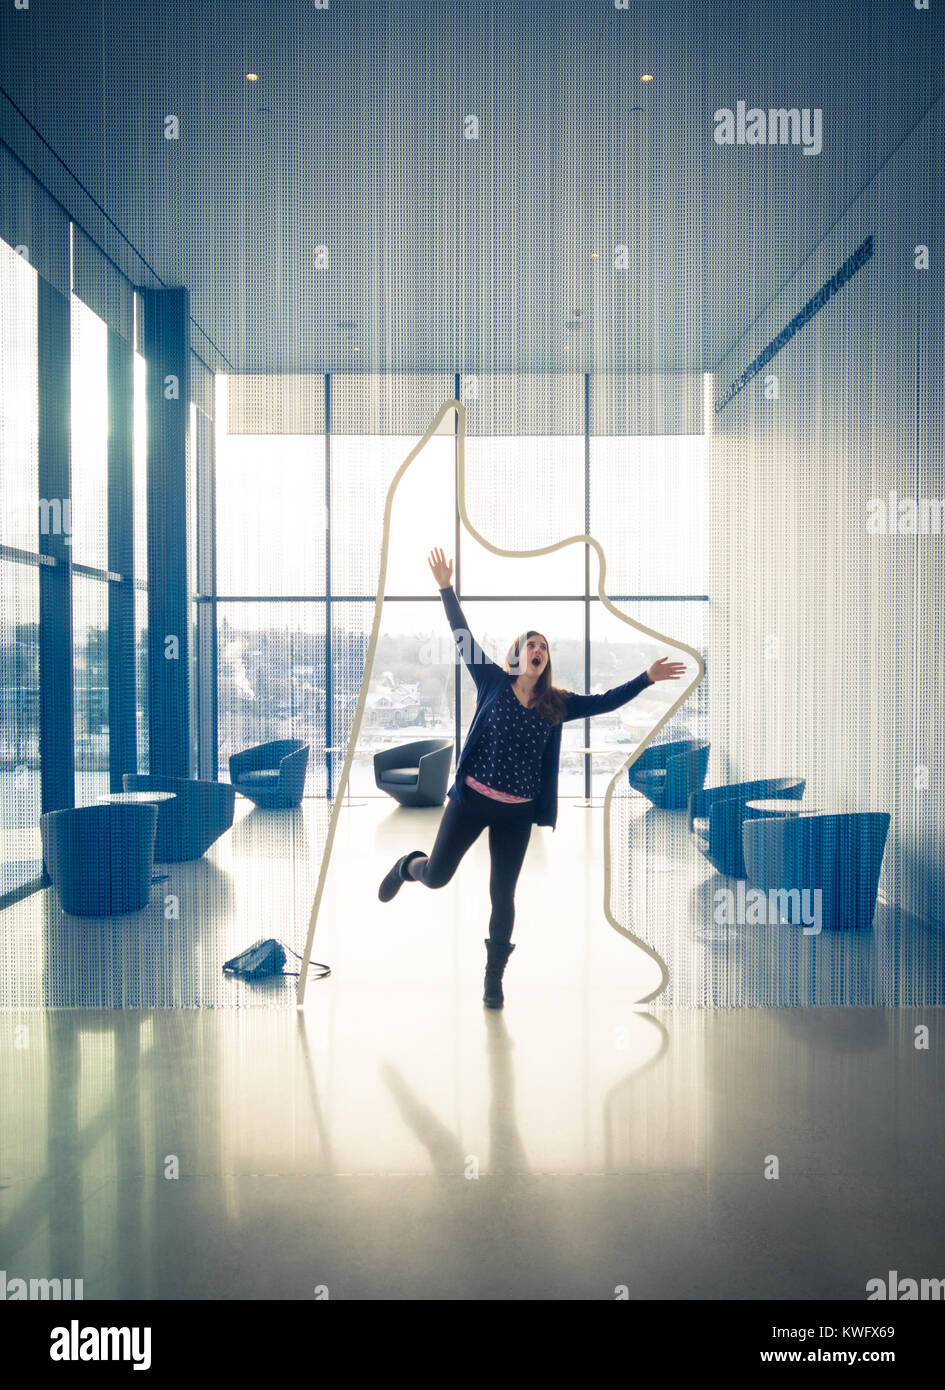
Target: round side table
{"points": [[588, 752], [140, 798]]}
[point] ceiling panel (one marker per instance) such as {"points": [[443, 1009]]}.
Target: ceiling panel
{"points": [[502, 253]]}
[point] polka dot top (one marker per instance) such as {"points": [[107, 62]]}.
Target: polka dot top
{"points": [[508, 756]]}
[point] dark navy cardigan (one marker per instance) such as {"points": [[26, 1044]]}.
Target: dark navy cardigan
{"points": [[490, 679]]}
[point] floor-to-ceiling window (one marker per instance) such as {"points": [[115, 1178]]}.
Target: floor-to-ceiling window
{"points": [[297, 583], [89, 458], [67, 329], [270, 586], [525, 491], [20, 854], [199, 475], [411, 695], [648, 505], [140, 487]]}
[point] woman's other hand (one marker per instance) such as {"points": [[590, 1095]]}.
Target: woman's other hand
{"points": [[666, 670], [442, 572]]}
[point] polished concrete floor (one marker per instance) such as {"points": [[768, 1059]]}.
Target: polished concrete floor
{"points": [[397, 1141], [393, 1139]]}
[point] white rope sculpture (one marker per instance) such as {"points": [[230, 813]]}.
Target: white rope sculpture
{"points": [[460, 412]]}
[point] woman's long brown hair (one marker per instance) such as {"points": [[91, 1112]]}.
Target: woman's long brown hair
{"points": [[547, 700]]}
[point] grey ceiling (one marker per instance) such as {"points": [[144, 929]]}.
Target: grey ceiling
{"points": [[445, 252]]}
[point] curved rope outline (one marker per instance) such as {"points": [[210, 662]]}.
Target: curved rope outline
{"points": [[460, 411]]}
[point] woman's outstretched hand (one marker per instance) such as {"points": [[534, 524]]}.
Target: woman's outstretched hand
{"points": [[442, 572], [666, 670]]}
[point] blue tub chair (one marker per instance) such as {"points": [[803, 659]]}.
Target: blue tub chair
{"points": [[187, 826], [716, 816], [668, 773], [841, 855], [100, 858]]}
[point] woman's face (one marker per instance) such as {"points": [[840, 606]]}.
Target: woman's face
{"points": [[534, 656]]}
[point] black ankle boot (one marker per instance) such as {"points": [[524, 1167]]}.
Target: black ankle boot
{"points": [[390, 883], [497, 954]]}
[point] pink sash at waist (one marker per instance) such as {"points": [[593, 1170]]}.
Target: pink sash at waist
{"points": [[496, 796]]}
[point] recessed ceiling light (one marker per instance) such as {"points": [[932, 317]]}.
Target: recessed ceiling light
{"points": [[252, 77]]}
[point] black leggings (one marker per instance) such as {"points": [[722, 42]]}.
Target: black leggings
{"points": [[510, 825]]}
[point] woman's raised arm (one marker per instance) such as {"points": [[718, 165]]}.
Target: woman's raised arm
{"points": [[586, 706], [481, 667]]}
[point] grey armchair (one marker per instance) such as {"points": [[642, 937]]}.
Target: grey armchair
{"points": [[416, 774], [271, 774]]}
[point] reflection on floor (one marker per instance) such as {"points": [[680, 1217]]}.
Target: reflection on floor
{"points": [[395, 1140], [259, 881]]}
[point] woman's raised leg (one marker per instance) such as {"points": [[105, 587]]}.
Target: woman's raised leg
{"points": [[459, 829]]}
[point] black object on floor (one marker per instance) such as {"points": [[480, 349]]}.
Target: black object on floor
{"points": [[266, 958]]}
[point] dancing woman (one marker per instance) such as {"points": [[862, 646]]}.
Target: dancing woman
{"points": [[507, 773]]}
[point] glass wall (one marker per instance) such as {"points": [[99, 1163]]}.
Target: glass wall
{"points": [[199, 430], [95, 622], [140, 473], [618, 654], [649, 509], [524, 492], [89, 462], [90, 687], [295, 668], [20, 854], [270, 677], [411, 693], [89, 437], [271, 592], [270, 515]]}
